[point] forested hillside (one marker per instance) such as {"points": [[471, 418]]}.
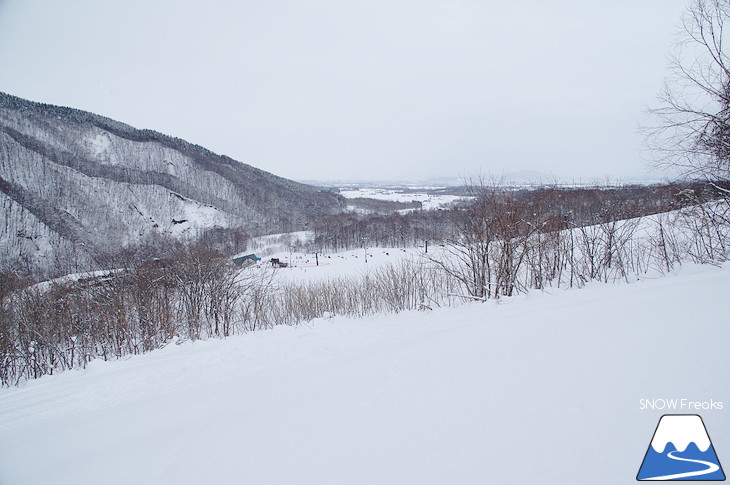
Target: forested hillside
{"points": [[73, 184]]}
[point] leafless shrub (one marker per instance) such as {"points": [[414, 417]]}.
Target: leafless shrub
{"points": [[406, 285], [503, 245], [136, 308]]}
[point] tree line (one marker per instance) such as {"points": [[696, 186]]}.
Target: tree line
{"points": [[502, 243], [190, 292], [507, 243], [575, 207]]}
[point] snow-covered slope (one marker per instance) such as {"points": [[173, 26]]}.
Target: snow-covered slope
{"points": [[542, 388], [69, 178]]}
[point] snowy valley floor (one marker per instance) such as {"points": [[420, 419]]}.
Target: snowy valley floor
{"points": [[543, 388]]}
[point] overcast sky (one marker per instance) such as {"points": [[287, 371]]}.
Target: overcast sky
{"points": [[376, 89]]}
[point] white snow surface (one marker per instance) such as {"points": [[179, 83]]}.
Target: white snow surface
{"points": [[303, 267], [75, 278], [100, 143], [681, 430], [539, 388], [428, 201]]}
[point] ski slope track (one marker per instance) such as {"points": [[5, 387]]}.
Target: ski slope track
{"points": [[539, 388]]}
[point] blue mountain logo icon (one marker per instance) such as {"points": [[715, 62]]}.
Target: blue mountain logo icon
{"points": [[681, 450]]}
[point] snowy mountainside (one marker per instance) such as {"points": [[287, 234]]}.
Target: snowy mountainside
{"points": [[72, 182]]}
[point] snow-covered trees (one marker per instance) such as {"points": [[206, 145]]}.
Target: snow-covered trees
{"points": [[74, 182]]}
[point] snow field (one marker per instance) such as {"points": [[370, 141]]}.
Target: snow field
{"points": [[302, 266], [428, 201], [353, 262], [539, 388]]}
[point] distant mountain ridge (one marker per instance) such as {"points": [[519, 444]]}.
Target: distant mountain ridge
{"points": [[73, 183]]}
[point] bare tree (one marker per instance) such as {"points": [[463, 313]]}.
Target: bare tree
{"points": [[691, 129], [466, 254], [494, 234]]}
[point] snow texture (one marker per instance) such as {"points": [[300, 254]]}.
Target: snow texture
{"points": [[540, 388]]}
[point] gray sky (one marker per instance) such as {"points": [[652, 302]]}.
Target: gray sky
{"points": [[376, 89]]}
